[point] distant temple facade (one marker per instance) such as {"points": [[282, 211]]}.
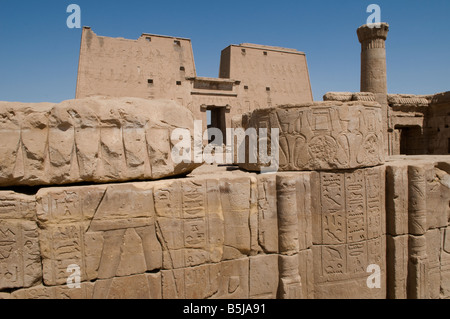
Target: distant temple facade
{"points": [[161, 67], [253, 77]]}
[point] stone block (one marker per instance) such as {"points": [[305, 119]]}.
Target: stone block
{"points": [[349, 232], [445, 263], [20, 260], [144, 286], [107, 231], [397, 199], [225, 280], [263, 278], [94, 140], [321, 136], [397, 266]]}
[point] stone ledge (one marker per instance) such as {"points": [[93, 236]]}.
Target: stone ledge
{"points": [[95, 140]]}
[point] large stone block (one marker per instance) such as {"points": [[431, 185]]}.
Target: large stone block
{"points": [[225, 280], [397, 266], [320, 136], [263, 278], [417, 218], [349, 232], [267, 213], [397, 199], [144, 286], [445, 263], [118, 230], [90, 140], [20, 260], [206, 220], [108, 231]]}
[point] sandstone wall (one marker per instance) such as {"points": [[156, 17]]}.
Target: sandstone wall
{"points": [[438, 124], [90, 140], [236, 236], [417, 221], [316, 229], [320, 136]]}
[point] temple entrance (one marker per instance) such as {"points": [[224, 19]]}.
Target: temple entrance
{"points": [[411, 140], [216, 119]]}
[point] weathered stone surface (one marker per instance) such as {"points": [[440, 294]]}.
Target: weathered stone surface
{"points": [[238, 235], [397, 266], [445, 263], [364, 96], [306, 272], [294, 212], [417, 253], [408, 100], [441, 98], [126, 229], [348, 232], [397, 199], [263, 277], [20, 261], [348, 96], [144, 286], [322, 136], [290, 285], [226, 280], [338, 96], [106, 230], [267, 213], [90, 140], [206, 220]]}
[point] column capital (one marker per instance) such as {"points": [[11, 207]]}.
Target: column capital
{"points": [[370, 32]]}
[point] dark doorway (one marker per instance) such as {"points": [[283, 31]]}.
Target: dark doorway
{"points": [[218, 121], [411, 140]]}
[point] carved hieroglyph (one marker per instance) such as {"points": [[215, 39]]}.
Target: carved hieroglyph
{"points": [[20, 261], [90, 140], [234, 235], [108, 231], [121, 230], [348, 232], [321, 136]]}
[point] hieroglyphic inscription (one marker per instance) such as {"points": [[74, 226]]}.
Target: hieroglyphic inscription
{"points": [[333, 208], [107, 231], [323, 136], [19, 254], [375, 188], [189, 222], [352, 231], [356, 206], [62, 246]]}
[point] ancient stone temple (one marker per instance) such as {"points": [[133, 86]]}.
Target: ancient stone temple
{"points": [[161, 67], [94, 206]]}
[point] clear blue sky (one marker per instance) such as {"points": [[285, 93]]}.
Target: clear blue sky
{"points": [[39, 54]]}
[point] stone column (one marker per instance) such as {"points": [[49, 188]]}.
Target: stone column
{"points": [[290, 286], [373, 66]]}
